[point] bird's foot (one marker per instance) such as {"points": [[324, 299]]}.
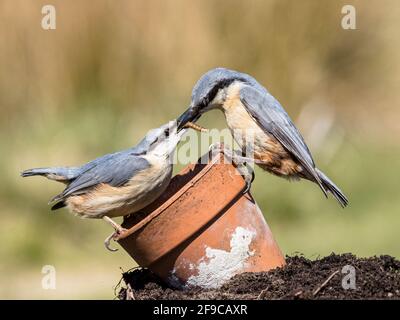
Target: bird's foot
{"points": [[119, 233], [241, 163], [216, 148], [247, 173]]}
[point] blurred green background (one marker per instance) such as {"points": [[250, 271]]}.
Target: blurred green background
{"points": [[114, 69]]}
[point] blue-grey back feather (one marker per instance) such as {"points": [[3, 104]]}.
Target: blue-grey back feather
{"points": [[274, 120], [114, 169]]}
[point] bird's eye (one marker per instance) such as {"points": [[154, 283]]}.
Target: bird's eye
{"points": [[202, 104], [166, 132]]}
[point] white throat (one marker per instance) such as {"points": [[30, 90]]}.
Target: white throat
{"points": [[166, 147]]}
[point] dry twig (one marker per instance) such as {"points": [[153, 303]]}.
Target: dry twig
{"points": [[324, 283]]}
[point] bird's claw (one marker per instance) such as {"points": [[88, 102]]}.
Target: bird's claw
{"points": [[117, 235], [107, 243], [244, 169], [213, 149], [248, 177], [216, 148]]}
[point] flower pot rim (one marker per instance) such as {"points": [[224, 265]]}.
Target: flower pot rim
{"points": [[147, 219]]}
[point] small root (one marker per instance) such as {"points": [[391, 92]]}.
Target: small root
{"points": [[262, 294], [129, 293], [324, 283]]}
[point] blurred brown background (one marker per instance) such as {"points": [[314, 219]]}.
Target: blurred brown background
{"points": [[114, 69]]}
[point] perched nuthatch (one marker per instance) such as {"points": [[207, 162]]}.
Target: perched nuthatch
{"points": [[117, 184], [276, 144]]}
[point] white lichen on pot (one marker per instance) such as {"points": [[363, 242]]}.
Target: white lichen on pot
{"points": [[218, 265]]}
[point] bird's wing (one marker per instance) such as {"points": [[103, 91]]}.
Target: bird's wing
{"points": [[115, 170], [273, 119]]}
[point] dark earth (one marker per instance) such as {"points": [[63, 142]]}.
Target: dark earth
{"points": [[301, 278]]}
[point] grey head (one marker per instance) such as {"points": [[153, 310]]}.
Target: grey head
{"points": [[210, 86], [160, 140]]}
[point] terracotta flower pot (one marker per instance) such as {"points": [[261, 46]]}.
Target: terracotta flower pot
{"points": [[203, 230]]}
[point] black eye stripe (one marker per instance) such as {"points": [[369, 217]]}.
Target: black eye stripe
{"points": [[221, 84]]}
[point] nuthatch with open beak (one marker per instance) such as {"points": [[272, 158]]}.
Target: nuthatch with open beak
{"points": [[117, 184], [274, 141]]}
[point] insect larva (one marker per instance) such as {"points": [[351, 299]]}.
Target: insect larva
{"points": [[195, 127]]}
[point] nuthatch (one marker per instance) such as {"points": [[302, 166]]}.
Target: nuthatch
{"points": [[117, 184], [276, 144]]}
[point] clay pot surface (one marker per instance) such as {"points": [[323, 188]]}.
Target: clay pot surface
{"points": [[203, 230]]}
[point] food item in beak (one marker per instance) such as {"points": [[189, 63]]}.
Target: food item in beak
{"points": [[195, 127]]}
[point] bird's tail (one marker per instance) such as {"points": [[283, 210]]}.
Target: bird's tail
{"points": [[56, 174], [329, 186]]}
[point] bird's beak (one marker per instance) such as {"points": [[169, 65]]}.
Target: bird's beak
{"points": [[190, 115]]}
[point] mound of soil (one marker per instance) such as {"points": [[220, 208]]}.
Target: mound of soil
{"points": [[375, 278]]}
